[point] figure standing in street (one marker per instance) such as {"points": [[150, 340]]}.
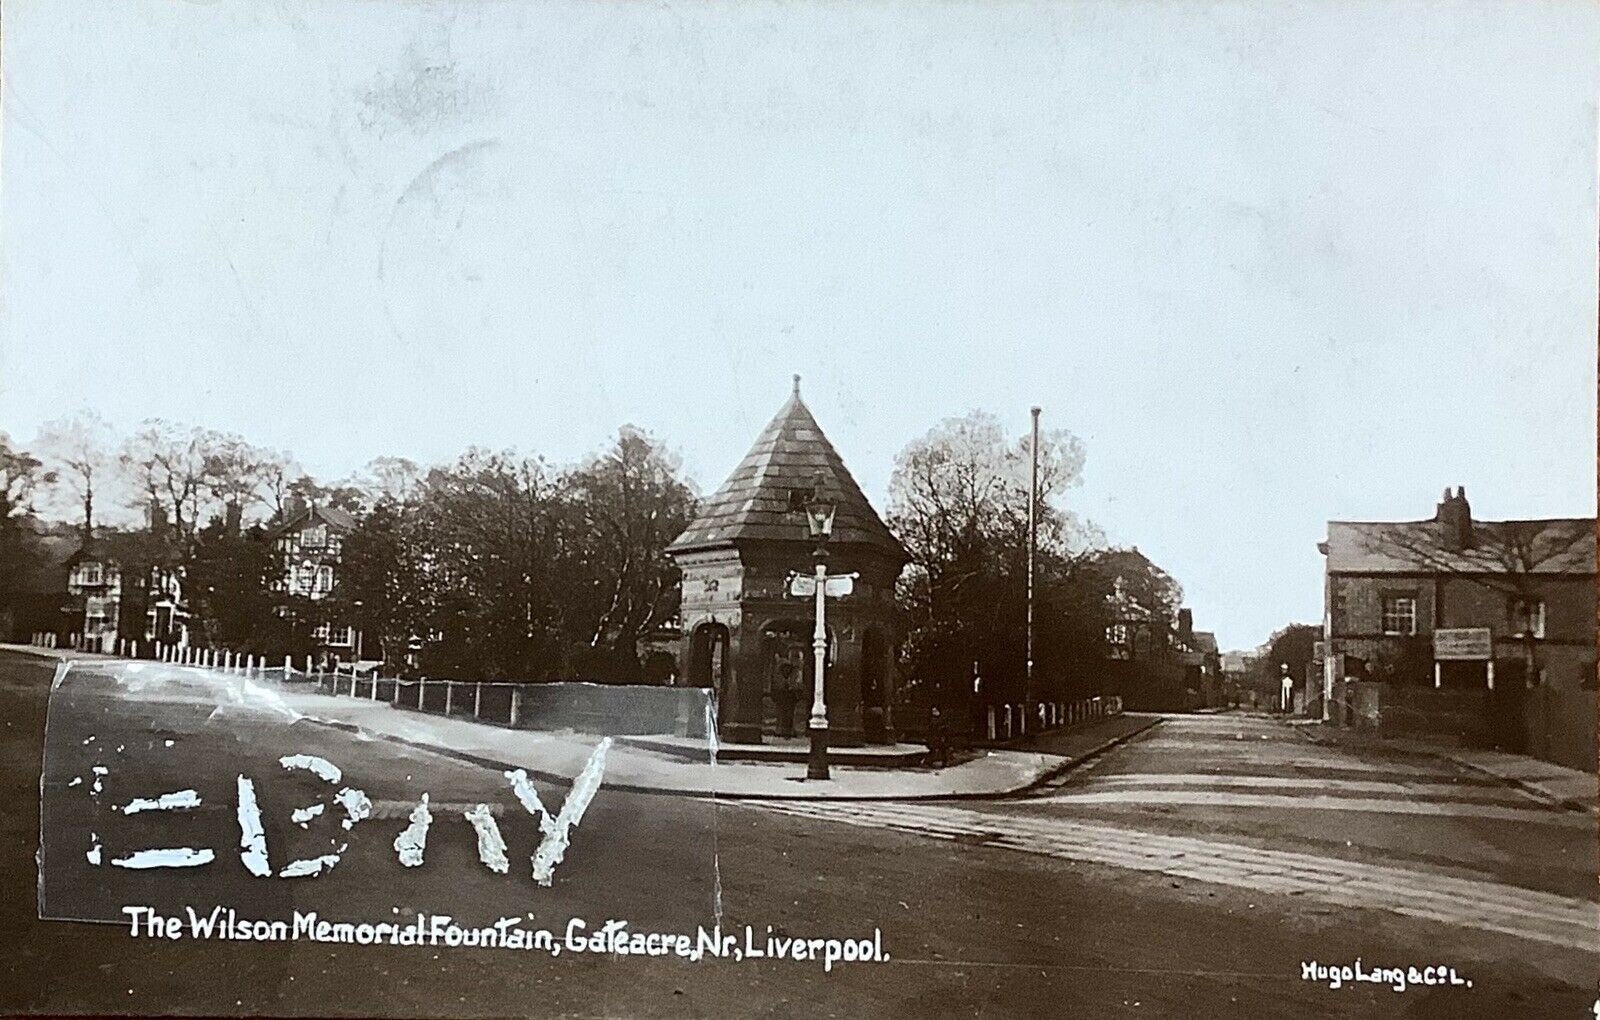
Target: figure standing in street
{"points": [[938, 739], [785, 690]]}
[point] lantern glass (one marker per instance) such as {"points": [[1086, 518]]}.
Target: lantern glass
{"points": [[819, 516]]}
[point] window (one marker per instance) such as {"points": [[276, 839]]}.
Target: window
{"points": [[337, 637], [1399, 614], [314, 538], [324, 581], [88, 573], [1527, 618], [798, 498]]}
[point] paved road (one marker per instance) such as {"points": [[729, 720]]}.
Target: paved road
{"points": [[975, 926]]}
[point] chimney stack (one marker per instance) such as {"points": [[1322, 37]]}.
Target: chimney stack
{"points": [[232, 518], [1454, 515]]}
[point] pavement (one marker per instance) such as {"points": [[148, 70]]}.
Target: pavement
{"points": [[1197, 868], [1556, 784], [1568, 787], [640, 768]]}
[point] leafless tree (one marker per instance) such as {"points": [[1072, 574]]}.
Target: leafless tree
{"points": [[80, 450], [167, 464], [392, 478], [278, 474], [236, 473], [1515, 559]]}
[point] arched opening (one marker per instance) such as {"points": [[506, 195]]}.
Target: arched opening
{"points": [[786, 668], [709, 663], [874, 686], [788, 672]]}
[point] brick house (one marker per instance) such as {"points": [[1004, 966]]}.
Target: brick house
{"points": [[125, 592], [308, 544], [1501, 611], [1157, 662]]}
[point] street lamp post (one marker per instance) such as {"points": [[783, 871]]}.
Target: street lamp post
{"points": [[819, 518], [1033, 542]]}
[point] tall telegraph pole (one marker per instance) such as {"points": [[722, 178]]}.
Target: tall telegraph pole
{"points": [[1033, 541]]}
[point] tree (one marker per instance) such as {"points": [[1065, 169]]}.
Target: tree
{"points": [[1294, 646], [502, 559], [278, 472], [80, 447], [963, 486], [959, 502], [306, 491], [168, 464], [630, 502], [388, 581], [229, 578], [22, 475], [1513, 559], [390, 478], [236, 473]]}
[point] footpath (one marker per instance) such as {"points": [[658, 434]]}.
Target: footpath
{"points": [[1552, 783], [559, 756]]}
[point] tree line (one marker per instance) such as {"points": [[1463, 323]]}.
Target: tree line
{"points": [[500, 564]]}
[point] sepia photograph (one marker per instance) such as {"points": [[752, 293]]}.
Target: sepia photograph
{"points": [[904, 508]]}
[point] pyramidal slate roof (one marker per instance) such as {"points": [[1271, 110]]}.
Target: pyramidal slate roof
{"points": [[756, 503]]}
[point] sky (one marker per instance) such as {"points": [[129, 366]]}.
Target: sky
{"points": [[1275, 263]]}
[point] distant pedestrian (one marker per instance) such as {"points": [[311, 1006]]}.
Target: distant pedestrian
{"points": [[938, 739], [785, 692]]}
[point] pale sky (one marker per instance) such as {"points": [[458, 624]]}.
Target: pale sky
{"points": [[1276, 263]]}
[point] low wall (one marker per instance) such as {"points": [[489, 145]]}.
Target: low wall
{"points": [[1425, 711], [1560, 726], [613, 710], [600, 709], [1556, 724]]}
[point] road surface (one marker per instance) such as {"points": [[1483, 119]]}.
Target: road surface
{"points": [[1194, 870]]}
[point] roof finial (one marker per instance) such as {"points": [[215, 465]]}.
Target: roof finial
{"points": [[797, 384]]}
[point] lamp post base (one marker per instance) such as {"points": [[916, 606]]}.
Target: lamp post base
{"points": [[817, 764]]}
